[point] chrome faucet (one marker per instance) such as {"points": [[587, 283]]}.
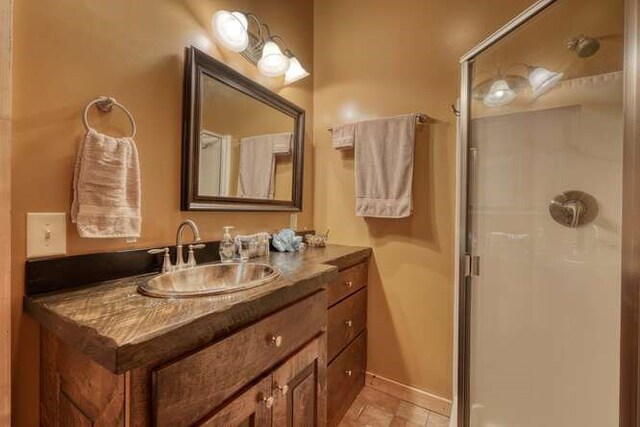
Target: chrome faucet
{"points": [[180, 264]]}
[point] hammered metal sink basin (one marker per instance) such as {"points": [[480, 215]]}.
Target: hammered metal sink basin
{"points": [[212, 279]]}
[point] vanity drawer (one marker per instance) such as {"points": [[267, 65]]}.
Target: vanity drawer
{"points": [[186, 390], [345, 378], [349, 281], [346, 320]]}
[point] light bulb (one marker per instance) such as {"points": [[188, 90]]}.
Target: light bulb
{"points": [[273, 63], [230, 30], [295, 71], [542, 80], [499, 94]]}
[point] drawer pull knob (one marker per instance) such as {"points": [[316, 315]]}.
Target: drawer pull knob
{"points": [[349, 284], [349, 323], [284, 389], [349, 372], [268, 401], [276, 340]]}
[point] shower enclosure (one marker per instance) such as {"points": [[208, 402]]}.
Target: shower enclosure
{"points": [[548, 212]]}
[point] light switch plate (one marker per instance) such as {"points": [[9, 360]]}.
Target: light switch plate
{"points": [[46, 234]]}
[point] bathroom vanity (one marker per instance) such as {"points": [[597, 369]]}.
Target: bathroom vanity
{"points": [[289, 352]]}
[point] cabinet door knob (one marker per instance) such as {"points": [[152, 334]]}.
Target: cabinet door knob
{"points": [[284, 389], [268, 401], [349, 372], [349, 284], [349, 323], [276, 340]]}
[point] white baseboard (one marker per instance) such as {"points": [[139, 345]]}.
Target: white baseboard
{"points": [[410, 394]]}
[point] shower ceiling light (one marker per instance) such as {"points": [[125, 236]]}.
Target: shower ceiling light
{"points": [[542, 80], [273, 62], [230, 30], [499, 94]]}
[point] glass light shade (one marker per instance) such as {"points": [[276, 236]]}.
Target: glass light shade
{"points": [[543, 80], [295, 71], [273, 62], [499, 94], [230, 30]]}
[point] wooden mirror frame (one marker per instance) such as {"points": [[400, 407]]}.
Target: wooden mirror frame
{"points": [[197, 63]]}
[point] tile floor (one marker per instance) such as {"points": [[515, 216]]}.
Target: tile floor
{"points": [[373, 408]]}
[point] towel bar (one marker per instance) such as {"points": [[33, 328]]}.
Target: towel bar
{"points": [[420, 118], [105, 104]]}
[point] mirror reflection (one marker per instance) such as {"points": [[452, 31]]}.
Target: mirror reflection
{"points": [[245, 146]]}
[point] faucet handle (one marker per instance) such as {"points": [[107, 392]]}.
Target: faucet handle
{"points": [[166, 262], [158, 251], [191, 260]]}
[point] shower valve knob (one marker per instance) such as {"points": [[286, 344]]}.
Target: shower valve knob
{"points": [[573, 208]]}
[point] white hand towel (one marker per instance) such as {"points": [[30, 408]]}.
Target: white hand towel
{"points": [[384, 167], [256, 168], [106, 187], [343, 137]]}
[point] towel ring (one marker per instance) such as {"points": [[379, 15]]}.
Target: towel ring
{"points": [[105, 104]]}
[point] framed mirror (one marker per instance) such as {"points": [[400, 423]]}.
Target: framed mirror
{"points": [[243, 145]]}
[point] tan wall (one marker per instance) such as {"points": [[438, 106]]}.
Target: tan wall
{"points": [[67, 53], [378, 58], [5, 212]]}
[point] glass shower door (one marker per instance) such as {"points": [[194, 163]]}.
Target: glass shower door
{"points": [[545, 209]]}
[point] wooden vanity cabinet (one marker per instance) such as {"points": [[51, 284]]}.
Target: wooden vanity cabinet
{"points": [[347, 339], [300, 388], [248, 409], [292, 395], [75, 391], [271, 373]]}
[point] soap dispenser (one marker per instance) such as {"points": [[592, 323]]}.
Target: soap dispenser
{"points": [[227, 246]]}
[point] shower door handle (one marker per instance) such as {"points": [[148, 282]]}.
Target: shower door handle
{"points": [[471, 265], [471, 181]]}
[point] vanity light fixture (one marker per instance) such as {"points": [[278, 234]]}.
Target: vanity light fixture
{"points": [[273, 62], [230, 30], [499, 94], [542, 80], [504, 88], [295, 72], [233, 30]]}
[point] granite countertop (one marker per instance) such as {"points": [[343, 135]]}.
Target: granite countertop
{"points": [[121, 329]]}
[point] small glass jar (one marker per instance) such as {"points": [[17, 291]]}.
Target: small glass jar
{"points": [[253, 248], [263, 247]]}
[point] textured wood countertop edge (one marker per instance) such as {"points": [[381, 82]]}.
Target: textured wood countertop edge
{"points": [[182, 338]]}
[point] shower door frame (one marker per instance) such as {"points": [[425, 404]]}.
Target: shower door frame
{"points": [[630, 271]]}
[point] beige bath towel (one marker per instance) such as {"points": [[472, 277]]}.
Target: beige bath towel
{"points": [[343, 137], [106, 187], [384, 166], [256, 168]]}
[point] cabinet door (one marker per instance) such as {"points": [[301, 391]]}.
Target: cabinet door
{"points": [[251, 409], [299, 387]]}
